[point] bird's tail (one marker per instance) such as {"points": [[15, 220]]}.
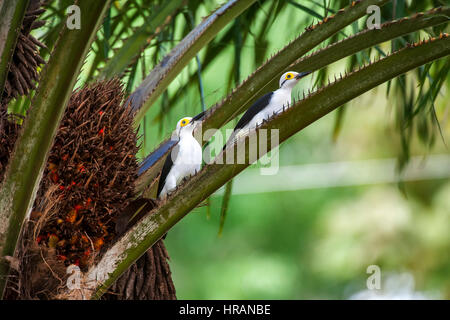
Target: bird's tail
{"points": [[132, 214]]}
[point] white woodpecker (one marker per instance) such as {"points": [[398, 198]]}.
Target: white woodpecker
{"points": [[184, 160], [267, 105]]}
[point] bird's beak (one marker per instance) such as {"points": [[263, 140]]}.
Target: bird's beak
{"points": [[198, 117], [302, 74]]}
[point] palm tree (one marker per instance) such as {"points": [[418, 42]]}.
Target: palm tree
{"points": [[125, 38]]}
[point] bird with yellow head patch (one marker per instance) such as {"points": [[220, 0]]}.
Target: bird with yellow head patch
{"points": [[267, 105], [185, 159]]}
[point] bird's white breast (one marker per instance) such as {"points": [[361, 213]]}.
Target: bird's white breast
{"points": [[280, 98], [189, 158]]}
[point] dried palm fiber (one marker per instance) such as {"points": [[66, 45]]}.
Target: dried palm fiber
{"points": [[9, 129], [23, 67], [39, 274], [150, 277]]}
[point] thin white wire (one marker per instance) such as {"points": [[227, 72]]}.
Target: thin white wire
{"points": [[341, 174]]}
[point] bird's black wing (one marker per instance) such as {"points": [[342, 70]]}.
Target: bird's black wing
{"points": [[255, 108], [156, 154], [259, 104], [166, 168]]}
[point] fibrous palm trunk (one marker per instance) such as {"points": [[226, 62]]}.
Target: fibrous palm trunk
{"points": [[149, 278]]}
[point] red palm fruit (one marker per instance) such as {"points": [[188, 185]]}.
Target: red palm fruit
{"points": [[98, 182]]}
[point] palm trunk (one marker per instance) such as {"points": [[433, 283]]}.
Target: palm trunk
{"points": [[149, 278]]}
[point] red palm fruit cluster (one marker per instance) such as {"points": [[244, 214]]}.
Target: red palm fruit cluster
{"points": [[26, 59], [91, 171]]}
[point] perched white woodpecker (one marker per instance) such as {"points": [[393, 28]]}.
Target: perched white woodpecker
{"points": [[185, 158], [267, 105]]}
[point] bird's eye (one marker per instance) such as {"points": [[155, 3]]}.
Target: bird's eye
{"points": [[289, 76], [184, 122]]}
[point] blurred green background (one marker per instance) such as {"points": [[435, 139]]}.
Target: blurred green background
{"points": [[317, 243], [312, 243]]}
